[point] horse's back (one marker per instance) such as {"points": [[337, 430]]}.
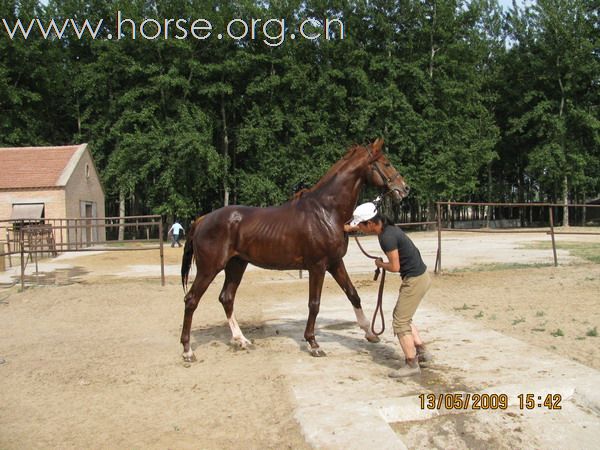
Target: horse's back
{"points": [[281, 237]]}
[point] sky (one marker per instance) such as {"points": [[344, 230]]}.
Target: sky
{"points": [[504, 3]]}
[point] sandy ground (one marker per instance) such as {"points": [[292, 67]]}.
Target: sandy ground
{"points": [[91, 356]]}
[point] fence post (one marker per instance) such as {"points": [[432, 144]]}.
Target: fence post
{"points": [[2, 266], [22, 245], [162, 255], [438, 259], [8, 246], [552, 235]]}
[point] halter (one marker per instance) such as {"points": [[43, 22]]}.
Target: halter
{"points": [[374, 166]]}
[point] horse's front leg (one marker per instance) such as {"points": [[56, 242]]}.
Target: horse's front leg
{"points": [[340, 275], [316, 276]]}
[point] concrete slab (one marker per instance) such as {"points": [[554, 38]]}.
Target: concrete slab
{"points": [[355, 405]]}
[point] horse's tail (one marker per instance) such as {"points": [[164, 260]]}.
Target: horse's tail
{"points": [[188, 254]]}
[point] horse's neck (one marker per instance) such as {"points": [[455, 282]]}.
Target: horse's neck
{"points": [[339, 193]]}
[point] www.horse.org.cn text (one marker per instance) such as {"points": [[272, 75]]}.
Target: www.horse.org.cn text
{"points": [[272, 32]]}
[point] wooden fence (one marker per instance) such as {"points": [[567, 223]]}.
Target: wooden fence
{"points": [[442, 226], [28, 240]]}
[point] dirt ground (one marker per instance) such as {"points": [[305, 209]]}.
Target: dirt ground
{"points": [[90, 358]]}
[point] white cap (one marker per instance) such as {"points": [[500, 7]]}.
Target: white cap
{"points": [[363, 212]]}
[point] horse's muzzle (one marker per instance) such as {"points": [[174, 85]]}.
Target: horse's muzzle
{"points": [[399, 193]]}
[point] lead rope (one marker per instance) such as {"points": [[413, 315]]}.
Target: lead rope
{"points": [[378, 308]]}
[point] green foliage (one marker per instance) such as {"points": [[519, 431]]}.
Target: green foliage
{"points": [[474, 103], [550, 113]]}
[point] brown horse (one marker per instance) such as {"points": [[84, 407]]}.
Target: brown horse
{"points": [[304, 233]]}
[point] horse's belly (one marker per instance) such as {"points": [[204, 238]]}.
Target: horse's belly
{"points": [[276, 258], [282, 243]]}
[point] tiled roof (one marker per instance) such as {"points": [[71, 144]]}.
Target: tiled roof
{"points": [[34, 167]]}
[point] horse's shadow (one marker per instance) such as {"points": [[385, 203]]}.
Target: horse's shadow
{"points": [[330, 334]]}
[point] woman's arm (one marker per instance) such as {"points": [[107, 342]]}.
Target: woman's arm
{"points": [[393, 264], [349, 228]]}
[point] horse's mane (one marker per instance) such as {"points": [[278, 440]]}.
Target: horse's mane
{"points": [[333, 171]]}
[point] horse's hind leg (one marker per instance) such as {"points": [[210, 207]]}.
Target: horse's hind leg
{"points": [[191, 300], [233, 276], [340, 275], [316, 276]]}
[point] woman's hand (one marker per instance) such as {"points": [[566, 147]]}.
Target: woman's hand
{"points": [[379, 263]]}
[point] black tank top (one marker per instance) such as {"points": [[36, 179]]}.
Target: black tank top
{"points": [[411, 263]]}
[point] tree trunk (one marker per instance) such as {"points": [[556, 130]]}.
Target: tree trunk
{"points": [[488, 209], [431, 39], [431, 212], [122, 215], [562, 143], [565, 202], [225, 153]]}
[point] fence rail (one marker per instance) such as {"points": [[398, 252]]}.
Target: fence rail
{"points": [[30, 239], [547, 229]]}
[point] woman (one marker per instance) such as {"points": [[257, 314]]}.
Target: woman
{"points": [[403, 257]]}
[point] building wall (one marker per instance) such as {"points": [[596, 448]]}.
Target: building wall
{"points": [[54, 207], [53, 199], [84, 187]]}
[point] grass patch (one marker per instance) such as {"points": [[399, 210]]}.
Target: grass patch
{"points": [[557, 333], [519, 320], [593, 332], [538, 329], [590, 251], [493, 267], [464, 307], [479, 315], [539, 314]]}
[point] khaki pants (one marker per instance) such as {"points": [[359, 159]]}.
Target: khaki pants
{"points": [[412, 291]]}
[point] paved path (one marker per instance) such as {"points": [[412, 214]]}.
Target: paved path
{"points": [[354, 405]]}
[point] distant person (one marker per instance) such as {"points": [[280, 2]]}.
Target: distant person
{"points": [[404, 257], [176, 232]]}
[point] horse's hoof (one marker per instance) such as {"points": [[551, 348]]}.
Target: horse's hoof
{"points": [[244, 344], [373, 339], [317, 352], [189, 357]]}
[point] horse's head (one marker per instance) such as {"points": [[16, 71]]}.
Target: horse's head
{"points": [[381, 173]]}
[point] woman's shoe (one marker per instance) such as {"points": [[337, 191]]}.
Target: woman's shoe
{"points": [[411, 368]]}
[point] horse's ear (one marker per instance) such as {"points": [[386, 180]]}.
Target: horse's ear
{"points": [[377, 145]]}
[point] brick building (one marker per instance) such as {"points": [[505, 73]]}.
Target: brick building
{"points": [[42, 184]]}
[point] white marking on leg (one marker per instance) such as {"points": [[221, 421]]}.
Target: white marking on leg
{"points": [[189, 355], [364, 323], [236, 333]]}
